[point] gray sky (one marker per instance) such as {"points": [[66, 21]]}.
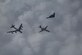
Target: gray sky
{"points": [[65, 34]]}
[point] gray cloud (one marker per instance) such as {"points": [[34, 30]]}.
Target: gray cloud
{"points": [[65, 29]]}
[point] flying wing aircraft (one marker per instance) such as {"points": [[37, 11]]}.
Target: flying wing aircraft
{"points": [[51, 16], [16, 29], [44, 29]]}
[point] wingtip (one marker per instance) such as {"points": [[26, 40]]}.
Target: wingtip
{"points": [[40, 26]]}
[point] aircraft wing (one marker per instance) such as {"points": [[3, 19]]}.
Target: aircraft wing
{"points": [[47, 30], [12, 31], [46, 27], [21, 26]]}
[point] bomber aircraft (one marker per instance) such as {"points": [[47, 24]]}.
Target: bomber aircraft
{"points": [[16, 29]]}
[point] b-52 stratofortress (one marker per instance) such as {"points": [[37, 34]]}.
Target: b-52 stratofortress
{"points": [[51, 16], [44, 29], [16, 29]]}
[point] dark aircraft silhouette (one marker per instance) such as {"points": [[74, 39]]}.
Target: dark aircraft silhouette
{"points": [[51, 16], [44, 29], [16, 29]]}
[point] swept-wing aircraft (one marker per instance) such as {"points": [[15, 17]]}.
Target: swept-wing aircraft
{"points": [[44, 29], [16, 29], [51, 16]]}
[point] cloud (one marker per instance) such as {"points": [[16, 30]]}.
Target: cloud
{"points": [[65, 28]]}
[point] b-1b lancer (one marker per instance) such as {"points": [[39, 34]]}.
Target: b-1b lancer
{"points": [[16, 29], [44, 29], [51, 16]]}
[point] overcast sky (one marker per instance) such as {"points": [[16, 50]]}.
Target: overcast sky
{"points": [[64, 38]]}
